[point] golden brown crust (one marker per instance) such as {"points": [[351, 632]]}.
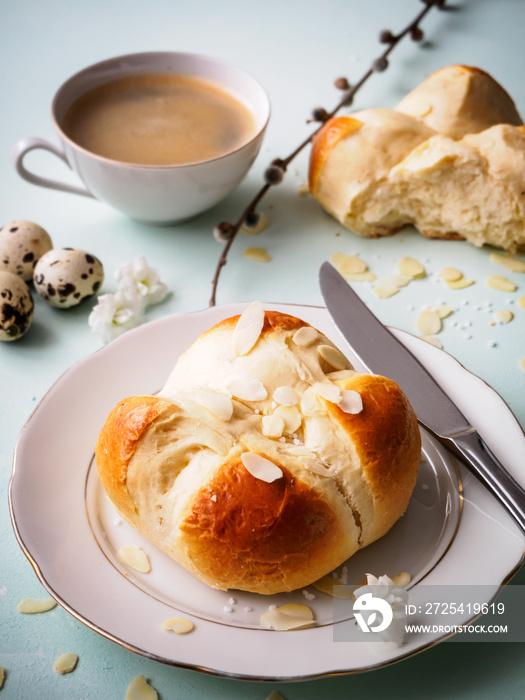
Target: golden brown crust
{"points": [[324, 142], [257, 531], [117, 443]]}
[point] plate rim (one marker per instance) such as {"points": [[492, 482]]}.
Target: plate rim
{"points": [[207, 669]]}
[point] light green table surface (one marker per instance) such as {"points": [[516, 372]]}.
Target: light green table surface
{"points": [[296, 48]]}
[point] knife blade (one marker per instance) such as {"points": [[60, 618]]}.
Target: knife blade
{"points": [[380, 352]]}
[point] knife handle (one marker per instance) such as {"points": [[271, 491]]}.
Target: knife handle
{"points": [[484, 464]]}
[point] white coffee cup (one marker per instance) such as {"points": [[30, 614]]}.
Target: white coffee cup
{"points": [[159, 195]]}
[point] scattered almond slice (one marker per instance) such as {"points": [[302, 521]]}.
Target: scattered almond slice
{"points": [[301, 451], [291, 417], [272, 426], [139, 689], [274, 695], [501, 283], [219, 404], [257, 254], [136, 558], [351, 401], [65, 663], [503, 316], [260, 467], [262, 221], [508, 262], [287, 617], [402, 579], [442, 311], [386, 287], [2, 676], [32, 606], [247, 389], [451, 274], [179, 625], [522, 364], [348, 264], [428, 323], [460, 284], [248, 328], [410, 267], [521, 302], [330, 392], [341, 374], [432, 340], [361, 277], [286, 396], [330, 586], [417, 107], [305, 336], [332, 356]]}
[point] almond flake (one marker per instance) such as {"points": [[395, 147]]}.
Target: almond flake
{"points": [[2, 676], [286, 396], [66, 663], [32, 606], [341, 374], [351, 401], [139, 689], [451, 274], [360, 277], [386, 287], [287, 617], [507, 261], [330, 392], [332, 356], [301, 451], [428, 323], [219, 404], [348, 264], [330, 586], [260, 467], [522, 364], [260, 225], [272, 426], [402, 579], [442, 311], [257, 254], [291, 417], [136, 558], [248, 328], [179, 625], [305, 336], [411, 268], [274, 695], [247, 389], [504, 316], [501, 283], [460, 284], [417, 107], [521, 302], [432, 340]]}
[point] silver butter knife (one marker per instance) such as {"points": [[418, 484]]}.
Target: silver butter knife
{"points": [[381, 353]]}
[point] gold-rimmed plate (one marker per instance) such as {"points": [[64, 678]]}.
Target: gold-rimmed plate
{"points": [[71, 535]]}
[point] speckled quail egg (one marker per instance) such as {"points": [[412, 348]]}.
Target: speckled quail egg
{"points": [[22, 244], [16, 306], [66, 276]]}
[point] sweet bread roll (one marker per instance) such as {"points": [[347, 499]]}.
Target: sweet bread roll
{"points": [[442, 162], [266, 461], [460, 100]]}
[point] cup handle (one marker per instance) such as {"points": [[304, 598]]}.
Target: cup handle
{"points": [[22, 147]]}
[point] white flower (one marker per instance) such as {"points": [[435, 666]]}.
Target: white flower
{"points": [[139, 281], [114, 314]]}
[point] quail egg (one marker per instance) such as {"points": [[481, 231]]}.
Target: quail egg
{"points": [[66, 276], [16, 306], [22, 243]]}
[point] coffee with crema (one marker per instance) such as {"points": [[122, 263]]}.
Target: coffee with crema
{"points": [[158, 119]]}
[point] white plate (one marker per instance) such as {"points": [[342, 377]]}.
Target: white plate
{"points": [[71, 534]]}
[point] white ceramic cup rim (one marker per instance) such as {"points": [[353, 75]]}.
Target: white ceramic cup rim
{"points": [[62, 91]]}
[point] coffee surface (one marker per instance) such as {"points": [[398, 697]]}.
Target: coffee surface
{"points": [[158, 119]]}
